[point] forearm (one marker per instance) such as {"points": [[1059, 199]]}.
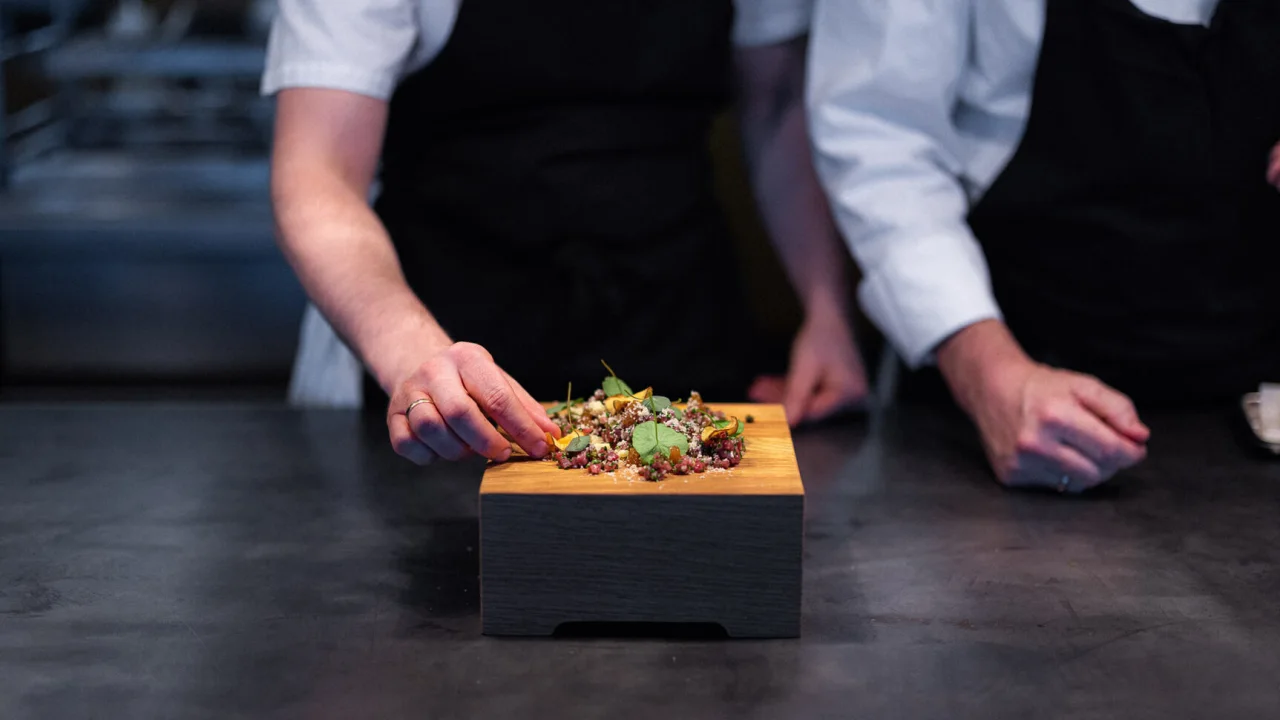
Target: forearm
{"points": [[348, 267], [792, 204], [795, 212]]}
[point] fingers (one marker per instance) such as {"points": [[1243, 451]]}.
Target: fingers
{"points": [[533, 407], [463, 418], [488, 390], [837, 396], [1113, 407], [802, 384], [431, 428], [1077, 427], [1047, 463], [768, 389], [464, 384], [849, 389], [1273, 172], [826, 402], [405, 443]]}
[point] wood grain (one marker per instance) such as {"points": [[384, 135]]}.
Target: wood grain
{"points": [[562, 546]]}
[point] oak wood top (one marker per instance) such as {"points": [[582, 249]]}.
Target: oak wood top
{"points": [[768, 467]]}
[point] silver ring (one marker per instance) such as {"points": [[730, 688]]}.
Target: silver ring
{"points": [[416, 403], [1064, 483]]}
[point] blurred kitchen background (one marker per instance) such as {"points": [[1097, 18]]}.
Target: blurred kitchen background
{"points": [[136, 250]]}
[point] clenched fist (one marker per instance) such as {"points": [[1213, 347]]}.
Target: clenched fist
{"points": [[1041, 426]]}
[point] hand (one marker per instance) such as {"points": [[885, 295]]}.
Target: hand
{"points": [[1040, 424], [1043, 424], [1273, 172], [466, 388], [826, 373]]}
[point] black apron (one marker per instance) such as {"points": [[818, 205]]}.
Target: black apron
{"points": [[1133, 234], [547, 183]]}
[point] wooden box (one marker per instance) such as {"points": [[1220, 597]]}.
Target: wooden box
{"points": [[561, 546]]}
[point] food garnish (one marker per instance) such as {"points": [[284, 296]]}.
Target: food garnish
{"points": [[617, 428]]}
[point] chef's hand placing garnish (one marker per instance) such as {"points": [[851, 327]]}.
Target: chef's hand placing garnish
{"points": [[442, 409], [1041, 426], [1273, 171], [826, 374]]}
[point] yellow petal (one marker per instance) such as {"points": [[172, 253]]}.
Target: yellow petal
{"points": [[675, 454]]}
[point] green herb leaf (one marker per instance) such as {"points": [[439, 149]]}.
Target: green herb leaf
{"points": [[613, 386], [644, 438], [678, 412], [578, 444], [668, 438], [721, 424], [561, 407], [657, 403], [651, 439]]}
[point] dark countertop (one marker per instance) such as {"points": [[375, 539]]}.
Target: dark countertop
{"points": [[243, 561]]}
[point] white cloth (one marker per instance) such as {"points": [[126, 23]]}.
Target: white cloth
{"points": [[915, 107], [326, 374], [366, 47]]}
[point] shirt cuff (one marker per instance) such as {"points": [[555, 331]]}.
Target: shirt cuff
{"points": [[931, 289], [330, 76]]}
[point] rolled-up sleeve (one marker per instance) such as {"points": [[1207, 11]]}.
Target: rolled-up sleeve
{"points": [[360, 47], [768, 22], [882, 89]]}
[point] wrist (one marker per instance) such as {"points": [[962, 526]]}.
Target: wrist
{"points": [[979, 357], [825, 304], [397, 349]]}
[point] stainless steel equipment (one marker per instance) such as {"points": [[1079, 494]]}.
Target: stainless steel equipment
{"points": [[135, 229]]}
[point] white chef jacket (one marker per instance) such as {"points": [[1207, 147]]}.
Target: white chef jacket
{"points": [[915, 107], [367, 47]]}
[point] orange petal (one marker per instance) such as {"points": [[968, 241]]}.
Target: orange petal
{"points": [[563, 442]]}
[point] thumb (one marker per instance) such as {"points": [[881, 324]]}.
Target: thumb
{"points": [[1273, 174], [1112, 406], [532, 407]]}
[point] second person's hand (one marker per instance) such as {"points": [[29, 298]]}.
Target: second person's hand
{"points": [[1040, 426], [826, 372], [443, 409], [1045, 426]]}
